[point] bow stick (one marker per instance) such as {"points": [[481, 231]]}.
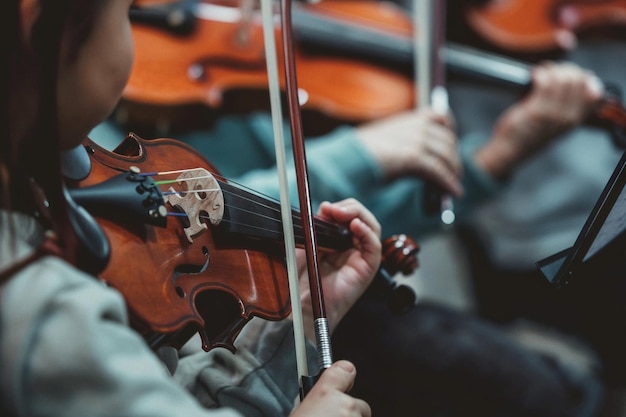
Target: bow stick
{"points": [[279, 146], [430, 75], [321, 323]]}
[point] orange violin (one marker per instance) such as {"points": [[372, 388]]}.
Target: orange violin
{"points": [[220, 66]]}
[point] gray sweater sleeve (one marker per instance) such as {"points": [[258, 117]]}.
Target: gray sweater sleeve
{"points": [[66, 350], [260, 379]]}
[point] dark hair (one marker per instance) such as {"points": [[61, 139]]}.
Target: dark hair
{"points": [[10, 47], [36, 156]]}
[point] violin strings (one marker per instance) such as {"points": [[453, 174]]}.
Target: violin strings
{"points": [[165, 182], [319, 222], [179, 214], [177, 171], [298, 228], [230, 181], [323, 227], [204, 190]]}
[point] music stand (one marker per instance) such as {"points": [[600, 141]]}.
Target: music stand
{"points": [[606, 222]]}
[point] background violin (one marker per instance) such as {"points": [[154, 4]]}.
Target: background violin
{"points": [[395, 46], [211, 256], [354, 63], [221, 66], [541, 25]]}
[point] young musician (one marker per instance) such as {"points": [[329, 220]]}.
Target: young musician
{"points": [[66, 348]]}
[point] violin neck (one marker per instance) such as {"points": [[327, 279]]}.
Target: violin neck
{"points": [[361, 40], [255, 216]]}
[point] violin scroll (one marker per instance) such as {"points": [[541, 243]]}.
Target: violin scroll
{"points": [[399, 255]]}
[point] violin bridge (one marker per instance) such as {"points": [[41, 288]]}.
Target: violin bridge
{"points": [[200, 197]]}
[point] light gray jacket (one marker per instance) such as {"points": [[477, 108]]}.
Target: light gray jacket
{"points": [[66, 350]]}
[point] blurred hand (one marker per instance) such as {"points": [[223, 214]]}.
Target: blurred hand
{"points": [[328, 396], [562, 96], [345, 275], [418, 143]]}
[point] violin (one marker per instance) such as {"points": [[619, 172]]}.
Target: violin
{"points": [[541, 25], [370, 40], [192, 252], [395, 45], [220, 66]]}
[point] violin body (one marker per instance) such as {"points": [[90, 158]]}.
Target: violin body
{"points": [[185, 277], [216, 264], [221, 66], [536, 26]]}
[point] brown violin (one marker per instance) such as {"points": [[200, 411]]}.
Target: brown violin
{"points": [[541, 25], [367, 31], [220, 66], [395, 45], [192, 252]]}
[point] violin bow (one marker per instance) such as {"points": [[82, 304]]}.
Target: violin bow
{"points": [[430, 74], [322, 332], [422, 56]]}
